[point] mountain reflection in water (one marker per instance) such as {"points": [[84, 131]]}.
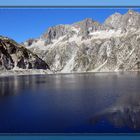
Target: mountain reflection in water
{"points": [[13, 85], [126, 112]]}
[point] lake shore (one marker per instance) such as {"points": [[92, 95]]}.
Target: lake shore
{"points": [[19, 72]]}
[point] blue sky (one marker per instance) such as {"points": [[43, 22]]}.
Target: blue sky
{"points": [[70, 2], [22, 24]]}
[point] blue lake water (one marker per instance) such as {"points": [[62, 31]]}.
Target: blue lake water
{"points": [[70, 103]]}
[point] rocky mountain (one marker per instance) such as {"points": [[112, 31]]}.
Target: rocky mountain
{"points": [[90, 46], [16, 56], [128, 21]]}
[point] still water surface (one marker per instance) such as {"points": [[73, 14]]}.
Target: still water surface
{"points": [[70, 103]]}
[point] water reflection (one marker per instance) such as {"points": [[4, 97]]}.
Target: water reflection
{"points": [[65, 102], [124, 113], [16, 84]]}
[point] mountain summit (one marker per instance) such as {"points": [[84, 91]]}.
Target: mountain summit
{"points": [[129, 20], [90, 46]]}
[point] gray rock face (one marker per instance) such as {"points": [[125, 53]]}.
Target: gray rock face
{"points": [[129, 20], [113, 21], [14, 56], [91, 46], [54, 33], [86, 26]]}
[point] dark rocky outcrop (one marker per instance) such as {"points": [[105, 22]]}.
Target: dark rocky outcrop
{"points": [[13, 55]]}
